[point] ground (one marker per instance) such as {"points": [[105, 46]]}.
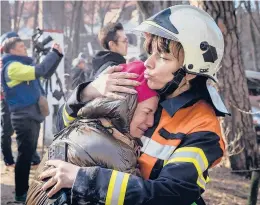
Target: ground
{"points": [[224, 188]]}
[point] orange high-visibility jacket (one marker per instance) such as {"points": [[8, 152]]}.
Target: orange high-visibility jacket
{"points": [[176, 156]]}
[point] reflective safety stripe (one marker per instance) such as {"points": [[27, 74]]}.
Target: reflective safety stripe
{"points": [[201, 182], [190, 154], [117, 188], [66, 118], [155, 149], [208, 179]]}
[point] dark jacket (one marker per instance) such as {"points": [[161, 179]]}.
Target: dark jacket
{"points": [[22, 88], [104, 59], [77, 77], [95, 146]]}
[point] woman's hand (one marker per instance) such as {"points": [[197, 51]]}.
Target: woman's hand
{"points": [[109, 82], [62, 175]]}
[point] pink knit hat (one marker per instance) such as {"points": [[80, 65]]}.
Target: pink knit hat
{"points": [[143, 91]]}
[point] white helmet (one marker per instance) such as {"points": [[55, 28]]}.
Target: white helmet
{"points": [[198, 33]]}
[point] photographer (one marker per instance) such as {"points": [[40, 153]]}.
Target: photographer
{"points": [[6, 126], [28, 107]]}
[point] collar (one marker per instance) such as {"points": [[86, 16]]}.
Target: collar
{"points": [[172, 105], [23, 59]]}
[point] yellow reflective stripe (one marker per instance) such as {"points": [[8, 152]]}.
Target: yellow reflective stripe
{"points": [[123, 189], [67, 115], [165, 162], [66, 118], [117, 188], [196, 150], [201, 182], [190, 154], [66, 123], [20, 72], [184, 159], [208, 179], [111, 187]]}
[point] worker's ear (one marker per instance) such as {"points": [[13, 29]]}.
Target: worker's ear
{"points": [[111, 45]]}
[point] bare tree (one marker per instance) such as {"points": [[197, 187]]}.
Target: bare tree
{"points": [[18, 10], [53, 15], [5, 17], [36, 12], [103, 8], [78, 20], [253, 35]]}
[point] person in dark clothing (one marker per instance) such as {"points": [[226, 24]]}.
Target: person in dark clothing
{"points": [[114, 40], [78, 75], [24, 96], [6, 126], [6, 133]]}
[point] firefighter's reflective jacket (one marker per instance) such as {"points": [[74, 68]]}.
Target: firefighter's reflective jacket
{"points": [[177, 153]]}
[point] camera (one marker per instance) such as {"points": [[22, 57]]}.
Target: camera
{"points": [[39, 47]]}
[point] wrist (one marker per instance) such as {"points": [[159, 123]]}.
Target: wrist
{"points": [[89, 93]]}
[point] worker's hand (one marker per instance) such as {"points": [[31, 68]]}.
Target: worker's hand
{"points": [[109, 82], [62, 175], [57, 47]]}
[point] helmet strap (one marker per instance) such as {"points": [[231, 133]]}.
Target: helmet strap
{"points": [[171, 86]]}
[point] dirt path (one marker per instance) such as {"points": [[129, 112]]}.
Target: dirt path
{"points": [[224, 189]]}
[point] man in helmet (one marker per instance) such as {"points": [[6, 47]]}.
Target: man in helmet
{"points": [[185, 140]]}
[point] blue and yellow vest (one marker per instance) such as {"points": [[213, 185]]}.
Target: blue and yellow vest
{"points": [[24, 94]]}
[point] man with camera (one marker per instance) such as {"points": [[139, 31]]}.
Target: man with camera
{"points": [[25, 98], [6, 126]]}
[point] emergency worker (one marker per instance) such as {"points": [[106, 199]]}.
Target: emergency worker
{"points": [[185, 48]]}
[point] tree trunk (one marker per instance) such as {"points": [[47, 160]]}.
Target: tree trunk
{"points": [[233, 86], [252, 200], [147, 8], [5, 17], [19, 17], [252, 33], [35, 20], [16, 10], [77, 28], [93, 5], [53, 15]]}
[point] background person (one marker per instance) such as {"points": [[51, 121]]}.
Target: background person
{"points": [[24, 96], [79, 72], [6, 126], [113, 39]]}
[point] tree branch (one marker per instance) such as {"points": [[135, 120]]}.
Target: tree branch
{"points": [[252, 18]]}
